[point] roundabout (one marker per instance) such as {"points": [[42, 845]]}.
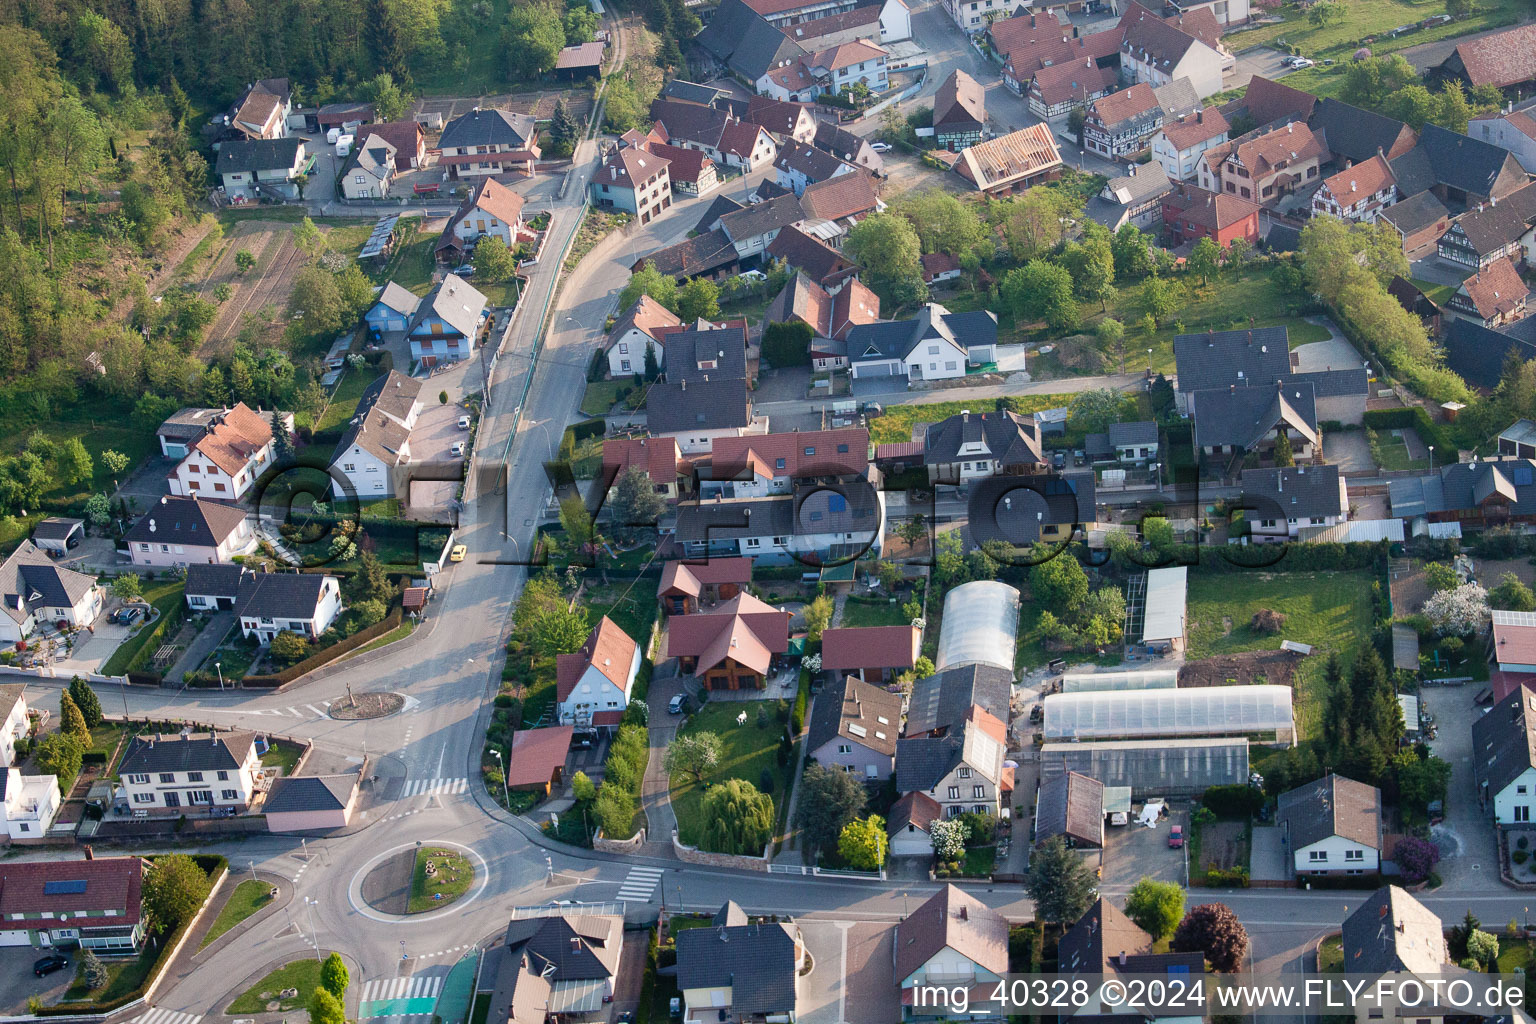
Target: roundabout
{"points": [[364, 706], [418, 882]]}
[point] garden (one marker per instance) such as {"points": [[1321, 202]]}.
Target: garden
{"points": [[751, 752], [440, 877]]}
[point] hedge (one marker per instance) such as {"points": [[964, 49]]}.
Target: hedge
{"points": [[1413, 416], [155, 634], [1237, 801], [1314, 557], [327, 655]]}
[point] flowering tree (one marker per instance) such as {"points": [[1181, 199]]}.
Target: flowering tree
{"points": [[1416, 857], [1460, 611], [948, 835], [811, 663]]}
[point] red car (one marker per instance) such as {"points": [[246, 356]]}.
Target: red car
{"points": [[1176, 837]]}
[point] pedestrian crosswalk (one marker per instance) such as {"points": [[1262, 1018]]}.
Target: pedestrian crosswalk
{"points": [[166, 1017], [639, 884], [319, 709], [426, 787], [417, 986]]}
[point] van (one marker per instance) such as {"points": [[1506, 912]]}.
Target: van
{"points": [[331, 136]]}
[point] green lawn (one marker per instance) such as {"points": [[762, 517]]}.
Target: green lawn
{"points": [[344, 400], [746, 751], [452, 876], [123, 976], [979, 861], [165, 596], [1329, 610], [1030, 651], [1514, 954], [867, 612], [896, 422], [233, 657], [249, 896], [632, 608], [1330, 955], [400, 632], [1364, 18], [282, 754], [1471, 660], [602, 394], [482, 1010], [412, 264], [99, 426], [303, 975], [1394, 453]]}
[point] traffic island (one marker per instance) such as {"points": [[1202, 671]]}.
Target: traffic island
{"points": [[366, 705], [440, 877], [286, 988]]}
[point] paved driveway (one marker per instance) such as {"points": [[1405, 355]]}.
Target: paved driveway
{"points": [[1468, 850], [1349, 450], [1260, 60], [865, 387], [852, 978], [782, 385], [1134, 852], [1266, 857], [18, 983]]}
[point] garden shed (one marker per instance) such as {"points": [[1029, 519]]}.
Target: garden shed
{"points": [[980, 627], [1204, 711]]}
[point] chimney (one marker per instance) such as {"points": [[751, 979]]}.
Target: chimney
{"points": [[90, 854], [964, 913], [684, 384], [1200, 116], [1122, 958]]}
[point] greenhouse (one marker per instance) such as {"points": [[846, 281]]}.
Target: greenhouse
{"points": [[1162, 767], [980, 627], [1201, 711], [1131, 679]]}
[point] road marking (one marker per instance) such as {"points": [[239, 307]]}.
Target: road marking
{"points": [[166, 1017], [316, 710], [640, 884], [295, 712], [412, 986], [428, 787]]}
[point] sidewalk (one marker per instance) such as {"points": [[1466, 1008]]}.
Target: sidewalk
{"points": [[656, 787]]}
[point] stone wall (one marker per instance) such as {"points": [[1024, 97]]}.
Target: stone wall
{"points": [[630, 845], [692, 855]]}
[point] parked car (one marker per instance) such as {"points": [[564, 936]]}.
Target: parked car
{"points": [[458, 553], [463, 422], [1119, 818], [457, 451], [880, 147], [465, 270], [1299, 62], [1176, 837], [1059, 460], [50, 963], [678, 705]]}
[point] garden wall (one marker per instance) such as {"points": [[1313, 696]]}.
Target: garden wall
{"points": [[631, 845], [692, 855]]}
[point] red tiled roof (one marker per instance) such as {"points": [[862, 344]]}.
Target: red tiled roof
{"points": [[806, 453], [499, 201], [536, 755], [846, 195], [853, 305], [406, 136], [900, 450], [740, 137], [111, 883], [230, 443], [843, 650], [1267, 101], [1076, 79], [1362, 179], [1124, 105], [1497, 290], [600, 718], [744, 629], [646, 315], [1502, 59], [915, 808], [847, 54], [608, 649], [960, 99], [687, 164], [656, 456], [1192, 129], [1284, 146], [936, 263], [1030, 43], [779, 116], [1214, 210], [1505, 683]]}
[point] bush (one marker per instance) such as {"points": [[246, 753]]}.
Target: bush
{"points": [[1233, 801], [802, 703], [1519, 856], [326, 655], [1267, 621]]}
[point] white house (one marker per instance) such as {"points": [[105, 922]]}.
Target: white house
{"points": [[234, 451], [14, 723], [376, 448], [713, 965], [1281, 502], [95, 904], [191, 771], [1393, 934], [185, 530], [934, 345], [592, 685], [250, 168], [1158, 52], [1514, 131], [1503, 762], [953, 939], [35, 590], [853, 727], [271, 603], [370, 170], [28, 803], [490, 210], [963, 770], [1179, 143], [908, 824], [639, 329], [1332, 827]]}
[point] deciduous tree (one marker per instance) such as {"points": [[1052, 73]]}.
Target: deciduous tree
{"points": [[862, 843], [494, 262], [1157, 906], [887, 246], [288, 647], [738, 818], [174, 887], [818, 615], [1214, 930], [696, 754], [334, 976], [699, 299], [829, 799]]}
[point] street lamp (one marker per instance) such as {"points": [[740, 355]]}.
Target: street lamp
{"points": [[504, 790], [1431, 458], [311, 904], [219, 665]]}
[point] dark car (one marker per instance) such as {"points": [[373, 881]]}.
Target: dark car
{"points": [[50, 963]]}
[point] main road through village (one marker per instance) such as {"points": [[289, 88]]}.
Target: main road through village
{"points": [[427, 757]]}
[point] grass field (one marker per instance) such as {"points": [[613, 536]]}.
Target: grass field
{"points": [[1364, 18], [344, 400], [866, 612], [249, 896], [282, 754], [1330, 955], [1329, 610], [123, 976], [165, 596], [745, 753], [601, 394], [1394, 453], [452, 876], [632, 608], [303, 975], [895, 424], [99, 429]]}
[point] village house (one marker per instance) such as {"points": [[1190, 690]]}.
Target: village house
{"points": [[1071, 805], [846, 146], [959, 112], [391, 311], [686, 586], [1393, 934], [1182, 140], [261, 112], [907, 827], [1107, 943], [369, 169], [408, 138], [735, 645], [1358, 193], [893, 18], [1021, 510], [738, 969], [562, 957], [377, 444], [963, 770], [252, 168], [968, 446], [633, 180], [1191, 213], [1475, 494], [270, 603], [637, 334], [1029, 43], [1333, 827], [1492, 231], [940, 268], [767, 464], [1419, 222], [592, 685], [952, 939], [448, 323], [1514, 130], [1260, 358], [1280, 502], [1135, 198], [1011, 163], [188, 771], [489, 141], [1123, 123], [1493, 296], [1055, 91], [933, 345], [1156, 52], [830, 317], [727, 140], [786, 120], [800, 165], [658, 458], [871, 654], [1504, 739], [814, 525], [823, 265], [854, 726], [690, 172], [15, 724], [95, 904], [1265, 168], [490, 210], [1504, 60], [183, 531], [235, 448], [28, 805]]}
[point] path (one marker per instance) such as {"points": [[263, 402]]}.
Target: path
{"points": [[203, 645], [983, 393], [656, 787]]}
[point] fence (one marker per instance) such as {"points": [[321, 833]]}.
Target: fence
{"points": [[811, 869]]}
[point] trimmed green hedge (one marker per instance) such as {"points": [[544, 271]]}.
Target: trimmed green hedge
{"points": [[1415, 417], [328, 655], [802, 702]]}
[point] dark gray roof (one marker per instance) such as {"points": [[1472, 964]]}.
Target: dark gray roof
{"points": [[683, 351], [1391, 931], [1177, 98], [1465, 485], [757, 961], [1011, 439], [1504, 740], [56, 528], [10, 693], [700, 254], [714, 404], [838, 141], [310, 793], [830, 508], [564, 951], [215, 579], [1298, 492], [730, 912], [726, 28], [690, 121], [941, 701], [923, 762], [1097, 446], [1218, 359], [761, 218], [488, 126], [718, 207], [1139, 432], [241, 155], [1495, 226], [1120, 194], [1013, 508], [692, 92], [1415, 213], [746, 41], [1477, 353], [197, 752], [1463, 163], [1071, 805], [280, 595], [1245, 416], [894, 339], [188, 521], [848, 701], [1353, 133], [1331, 806], [811, 163], [51, 586], [454, 301]]}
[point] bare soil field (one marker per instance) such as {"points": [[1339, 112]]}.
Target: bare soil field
{"points": [[264, 287], [1277, 667], [1221, 845]]}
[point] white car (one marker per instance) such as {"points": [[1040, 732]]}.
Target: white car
{"points": [[880, 147], [1119, 818], [753, 275], [457, 451], [1297, 63]]}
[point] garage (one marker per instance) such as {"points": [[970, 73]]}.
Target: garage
{"points": [[311, 802], [15, 937]]}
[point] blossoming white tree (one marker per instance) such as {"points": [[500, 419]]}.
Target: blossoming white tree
{"points": [[1459, 611]]}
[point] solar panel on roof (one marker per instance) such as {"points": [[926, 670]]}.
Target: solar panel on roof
{"points": [[64, 888], [1522, 476]]}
